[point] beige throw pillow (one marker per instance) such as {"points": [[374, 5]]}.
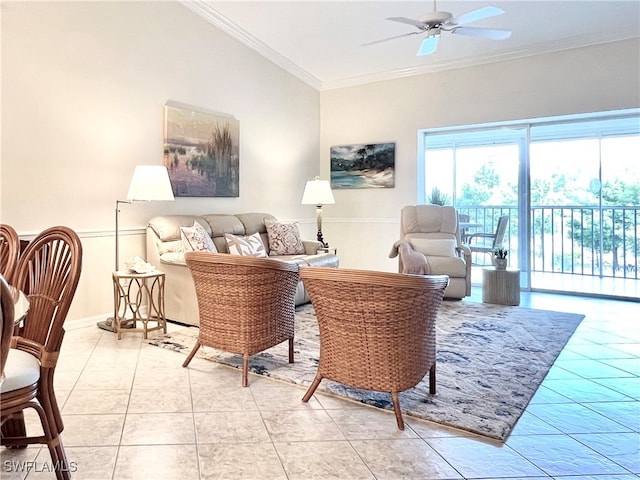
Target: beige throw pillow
{"points": [[434, 247], [196, 239], [248, 246], [284, 238]]}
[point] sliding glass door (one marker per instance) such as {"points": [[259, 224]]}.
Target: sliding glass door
{"points": [[570, 187], [479, 174]]}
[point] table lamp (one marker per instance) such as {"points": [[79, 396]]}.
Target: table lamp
{"points": [[149, 183], [318, 192]]}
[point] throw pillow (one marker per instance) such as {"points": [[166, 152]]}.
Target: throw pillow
{"points": [[284, 238], [196, 239], [249, 246], [434, 247]]}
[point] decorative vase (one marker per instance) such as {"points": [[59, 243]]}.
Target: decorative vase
{"points": [[500, 263]]}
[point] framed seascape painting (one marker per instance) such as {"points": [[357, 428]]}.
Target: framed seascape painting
{"points": [[201, 152], [363, 166]]}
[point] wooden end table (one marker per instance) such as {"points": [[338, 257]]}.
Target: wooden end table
{"points": [[501, 286], [138, 297]]}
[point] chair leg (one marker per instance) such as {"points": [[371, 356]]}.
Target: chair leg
{"points": [[196, 347], [396, 408], [432, 379], [245, 370], [312, 388], [291, 350], [54, 443], [14, 427]]}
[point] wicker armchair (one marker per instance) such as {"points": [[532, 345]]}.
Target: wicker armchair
{"points": [[246, 304], [49, 270], [9, 251], [377, 329]]}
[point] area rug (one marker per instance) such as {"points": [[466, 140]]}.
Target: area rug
{"points": [[490, 361]]}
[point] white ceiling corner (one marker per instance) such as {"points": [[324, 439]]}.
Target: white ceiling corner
{"points": [[321, 42]]}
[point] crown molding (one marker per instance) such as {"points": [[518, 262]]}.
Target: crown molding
{"points": [[206, 11], [538, 49]]}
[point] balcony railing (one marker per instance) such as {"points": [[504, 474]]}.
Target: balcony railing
{"points": [[577, 240]]}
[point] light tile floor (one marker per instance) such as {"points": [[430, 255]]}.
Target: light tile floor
{"points": [[132, 412]]}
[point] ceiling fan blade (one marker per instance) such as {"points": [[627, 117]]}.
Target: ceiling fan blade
{"points": [[429, 45], [491, 33], [389, 38], [476, 15], [409, 21]]}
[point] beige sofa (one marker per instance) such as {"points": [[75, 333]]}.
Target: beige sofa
{"points": [[165, 252]]}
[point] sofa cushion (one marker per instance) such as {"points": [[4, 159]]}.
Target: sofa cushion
{"points": [[174, 258], [434, 247], [249, 246], [284, 238], [196, 239]]}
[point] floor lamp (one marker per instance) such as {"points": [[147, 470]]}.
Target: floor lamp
{"points": [[149, 183], [318, 192]]}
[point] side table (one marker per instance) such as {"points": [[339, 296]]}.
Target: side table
{"points": [[138, 297], [501, 286]]}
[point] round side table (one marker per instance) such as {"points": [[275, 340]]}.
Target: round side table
{"points": [[501, 286], [138, 297]]}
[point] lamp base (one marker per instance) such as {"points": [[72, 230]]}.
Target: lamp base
{"points": [[321, 240]]}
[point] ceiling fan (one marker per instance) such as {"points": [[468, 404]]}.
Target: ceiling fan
{"points": [[432, 24]]}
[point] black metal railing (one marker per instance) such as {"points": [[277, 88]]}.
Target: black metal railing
{"points": [[577, 240]]}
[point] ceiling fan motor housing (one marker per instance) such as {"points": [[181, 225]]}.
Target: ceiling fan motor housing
{"points": [[435, 19]]}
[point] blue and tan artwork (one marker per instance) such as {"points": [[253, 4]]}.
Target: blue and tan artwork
{"points": [[363, 166]]}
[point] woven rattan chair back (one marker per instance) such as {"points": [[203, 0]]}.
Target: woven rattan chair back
{"points": [[9, 251], [377, 329], [6, 323], [49, 271], [246, 304]]}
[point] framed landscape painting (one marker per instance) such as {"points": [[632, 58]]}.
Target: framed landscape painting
{"points": [[201, 152], [363, 166]]}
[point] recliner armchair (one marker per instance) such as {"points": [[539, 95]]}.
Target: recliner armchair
{"points": [[433, 231]]}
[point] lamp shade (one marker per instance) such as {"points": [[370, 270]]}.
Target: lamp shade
{"points": [[317, 192], [151, 183]]}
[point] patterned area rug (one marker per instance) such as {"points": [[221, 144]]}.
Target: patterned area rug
{"points": [[490, 361]]}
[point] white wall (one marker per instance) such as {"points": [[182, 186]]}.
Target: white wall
{"points": [[365, 222], [83, 89], [84, 83]]}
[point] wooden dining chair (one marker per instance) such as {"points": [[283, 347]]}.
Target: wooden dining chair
{"points": [[246, 304], [6, 324], [49, 271], [377, 329], [9, 251]]}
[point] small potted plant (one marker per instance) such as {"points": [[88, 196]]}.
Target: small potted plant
{"points": [[500, 258]]}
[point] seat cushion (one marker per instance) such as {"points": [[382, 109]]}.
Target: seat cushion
{"points": [[452, 266], [438, 247], [21, 370]]}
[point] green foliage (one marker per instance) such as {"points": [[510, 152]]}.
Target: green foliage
{"points": [[500, 253], [438, 197]]}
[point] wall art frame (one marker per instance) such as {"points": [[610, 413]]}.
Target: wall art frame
{"points": [[201, 151], [363, 166]]}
